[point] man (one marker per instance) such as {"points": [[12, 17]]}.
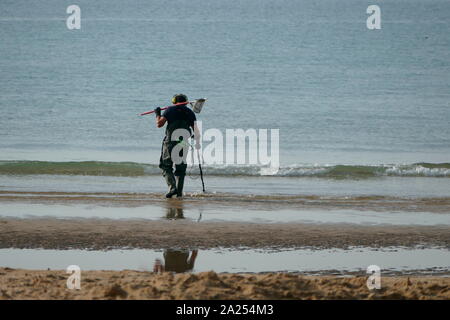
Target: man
{"points": [[181, 122]]}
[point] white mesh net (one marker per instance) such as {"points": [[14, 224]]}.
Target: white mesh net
{"points": [[198, 105]]}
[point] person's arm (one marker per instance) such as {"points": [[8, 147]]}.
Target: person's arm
{"points": [[160, 121], [191, 260], [158, 266]]}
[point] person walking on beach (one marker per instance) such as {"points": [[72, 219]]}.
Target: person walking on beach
{"points": [[180, 125]]}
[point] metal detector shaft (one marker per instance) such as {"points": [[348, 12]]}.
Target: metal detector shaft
{"points": [[201, 172]]}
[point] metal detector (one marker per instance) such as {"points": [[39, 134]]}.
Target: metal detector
{"points": [[199, 164], [201, 172]]}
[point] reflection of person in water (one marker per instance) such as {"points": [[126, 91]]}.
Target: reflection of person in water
{"points": [[174, 213], [176, 261]]}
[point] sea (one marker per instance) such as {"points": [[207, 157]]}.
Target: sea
{"points": [[360, 112]]}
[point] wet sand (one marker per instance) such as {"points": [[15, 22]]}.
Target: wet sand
{"points": [[101, 234], [26, 284], [235, 201]]}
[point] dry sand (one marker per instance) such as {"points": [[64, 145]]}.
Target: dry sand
{"points": [[100, 234], [26, 284]]}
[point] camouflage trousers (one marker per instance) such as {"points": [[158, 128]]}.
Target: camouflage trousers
{"points": [[165, 161]]}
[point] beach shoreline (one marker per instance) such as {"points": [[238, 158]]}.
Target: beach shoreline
{"points": [[378, 203], [104, 234]]}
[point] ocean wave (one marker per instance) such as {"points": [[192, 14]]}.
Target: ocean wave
{"points": [[132, 169]]}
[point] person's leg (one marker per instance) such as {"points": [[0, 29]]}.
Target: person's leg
{"points": [[171, 182], [166, 164], [180, 173]]}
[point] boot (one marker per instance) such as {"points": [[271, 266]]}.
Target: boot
{"points": [[180, 184], [170, 179]]}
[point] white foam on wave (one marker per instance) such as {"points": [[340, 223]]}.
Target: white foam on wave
{"points": [[418, 171]]}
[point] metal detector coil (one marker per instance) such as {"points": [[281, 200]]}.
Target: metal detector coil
{"points": [[198, 105]]}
